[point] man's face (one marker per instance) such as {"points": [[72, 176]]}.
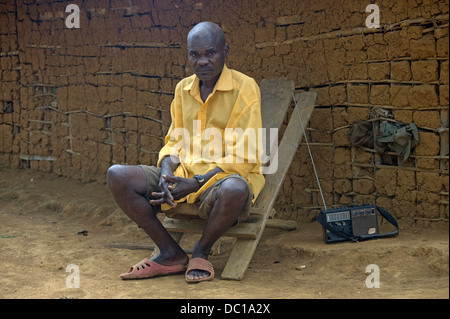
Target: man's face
{"points": [[207, 56]]}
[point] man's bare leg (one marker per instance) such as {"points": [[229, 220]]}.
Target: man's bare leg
{"points": [[231, 198], [128, 186]]}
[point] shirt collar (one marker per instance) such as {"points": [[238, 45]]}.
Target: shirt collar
{"points": [[225, 82]]}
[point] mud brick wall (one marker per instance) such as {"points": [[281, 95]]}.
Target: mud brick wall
{"points": [[74, 101]]}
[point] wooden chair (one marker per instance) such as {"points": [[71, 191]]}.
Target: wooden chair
{"points": [[276, 97]]}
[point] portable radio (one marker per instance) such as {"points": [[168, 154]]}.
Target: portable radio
{"points": [[355, 223]]}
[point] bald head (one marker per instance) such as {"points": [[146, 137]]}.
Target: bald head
{"points": [[207, 30]]}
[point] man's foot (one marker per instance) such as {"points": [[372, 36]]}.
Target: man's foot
{"points": [[178, 259], [199, 269]]}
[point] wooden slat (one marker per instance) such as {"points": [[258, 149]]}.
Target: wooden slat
{"points": [[286, 150], [281, 224], [275, 100], [184, 211], [190, 211], [244, 248], [276, 96], [242, 230], [277, 223]]}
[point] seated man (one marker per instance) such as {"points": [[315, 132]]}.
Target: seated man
{"points": [[213, 100]]}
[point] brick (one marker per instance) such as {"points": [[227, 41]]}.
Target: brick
{"points": [[422, 96], [6, 138], [386, 182], [428, 144], [131, 124], [340, 116], [444, 78], [398, 44], [341, 156], [377, 52], [357, 113], [430, 182], [427, 163], [429, 119], [428, 210], [441, 32], [399, 95], [340, 138], [357, 72], [323, 96], [423, 48], [128, 80], [114, 93], [342, 171], [379, 71], [415, 32], [362, 156], [358, 93], [363, 186], [401, 71], [75, 99], [285, 20], [129, 95], [442, 47], [379, 94], [342, 185], [406, 180], [425, 70], [443, 95]]}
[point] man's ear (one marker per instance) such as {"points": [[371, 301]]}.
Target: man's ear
{"points": [[226, 50]]}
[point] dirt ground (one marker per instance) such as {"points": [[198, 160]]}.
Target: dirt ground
{"points": [[48, 223]]}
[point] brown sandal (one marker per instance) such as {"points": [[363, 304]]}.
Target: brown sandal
{"points": [[200, 264], [149, 269]]}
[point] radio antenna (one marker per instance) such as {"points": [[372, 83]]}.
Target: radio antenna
{"points": [[309, 150]]}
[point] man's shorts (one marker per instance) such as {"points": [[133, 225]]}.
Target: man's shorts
{"points": [[206, 199]]}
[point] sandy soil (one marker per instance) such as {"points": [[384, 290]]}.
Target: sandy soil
{"points": [[48, 222]]}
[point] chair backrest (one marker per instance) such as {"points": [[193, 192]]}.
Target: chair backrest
{"points": [[276, 96]]}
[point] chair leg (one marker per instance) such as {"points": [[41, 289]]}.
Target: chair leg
{"points": [[242, 254], [239, 259]]}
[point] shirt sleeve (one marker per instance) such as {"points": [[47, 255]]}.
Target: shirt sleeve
{"points": [[170, 140]]}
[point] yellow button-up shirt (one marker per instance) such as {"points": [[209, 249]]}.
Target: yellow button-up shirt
{"points": [[223, 131]]}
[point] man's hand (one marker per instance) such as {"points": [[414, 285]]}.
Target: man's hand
{"points": [[181, 187], [174, 188], [165, 196], [168, 166]]}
